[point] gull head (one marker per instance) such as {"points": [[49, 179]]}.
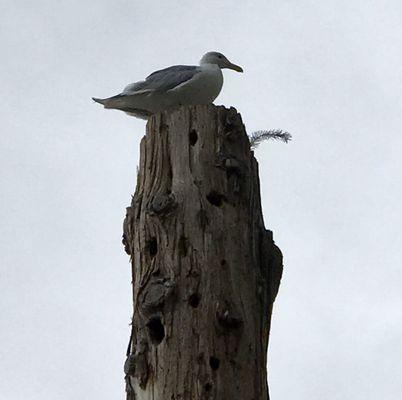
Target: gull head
{"points": [[213, 57]]}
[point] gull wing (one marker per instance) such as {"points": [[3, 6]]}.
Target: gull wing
{"points": [[163, 80]]}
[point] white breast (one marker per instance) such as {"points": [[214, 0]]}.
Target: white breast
{"points": [[204, 88]]}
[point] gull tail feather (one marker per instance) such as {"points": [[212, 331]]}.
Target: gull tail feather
{"points": [[111, 102], [119, 102]]}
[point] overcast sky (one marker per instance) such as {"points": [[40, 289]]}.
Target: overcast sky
{"points": [[327, 71]]}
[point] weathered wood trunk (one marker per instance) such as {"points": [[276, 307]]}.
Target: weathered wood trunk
{"points": [[205, 270]]}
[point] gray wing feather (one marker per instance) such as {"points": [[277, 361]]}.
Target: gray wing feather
{"points": [[164, 80]]}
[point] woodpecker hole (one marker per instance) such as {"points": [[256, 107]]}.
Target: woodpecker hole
{"points": [[215, 198], [193, 137], [194, 300], [208, 387], [223, 263], [214, 363], [152, 246], [156, 330]]}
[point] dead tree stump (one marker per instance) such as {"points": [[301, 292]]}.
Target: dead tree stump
{"points": [[205, 270]]}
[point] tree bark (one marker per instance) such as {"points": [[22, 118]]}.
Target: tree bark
{"points": [[205, 271]]}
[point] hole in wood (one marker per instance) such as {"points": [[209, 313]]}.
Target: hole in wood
{"points": [[208, 387], [193, 137], [223, 263], [214, 363], [215, 198], [183, 246], [156, 330], [229, 321], [152, 246], [194, 300]]}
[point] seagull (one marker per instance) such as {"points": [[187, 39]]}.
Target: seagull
{"points": [[172, 87]]}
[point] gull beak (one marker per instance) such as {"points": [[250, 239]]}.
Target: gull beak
{"points": [[234, 67]]}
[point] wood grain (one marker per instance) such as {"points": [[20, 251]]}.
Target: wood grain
{"points": [[205, 270]]}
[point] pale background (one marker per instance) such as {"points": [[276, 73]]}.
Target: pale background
{"points": [[327, 71]]}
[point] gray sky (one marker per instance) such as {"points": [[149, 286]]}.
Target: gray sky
{"points": [[327, 71]]}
